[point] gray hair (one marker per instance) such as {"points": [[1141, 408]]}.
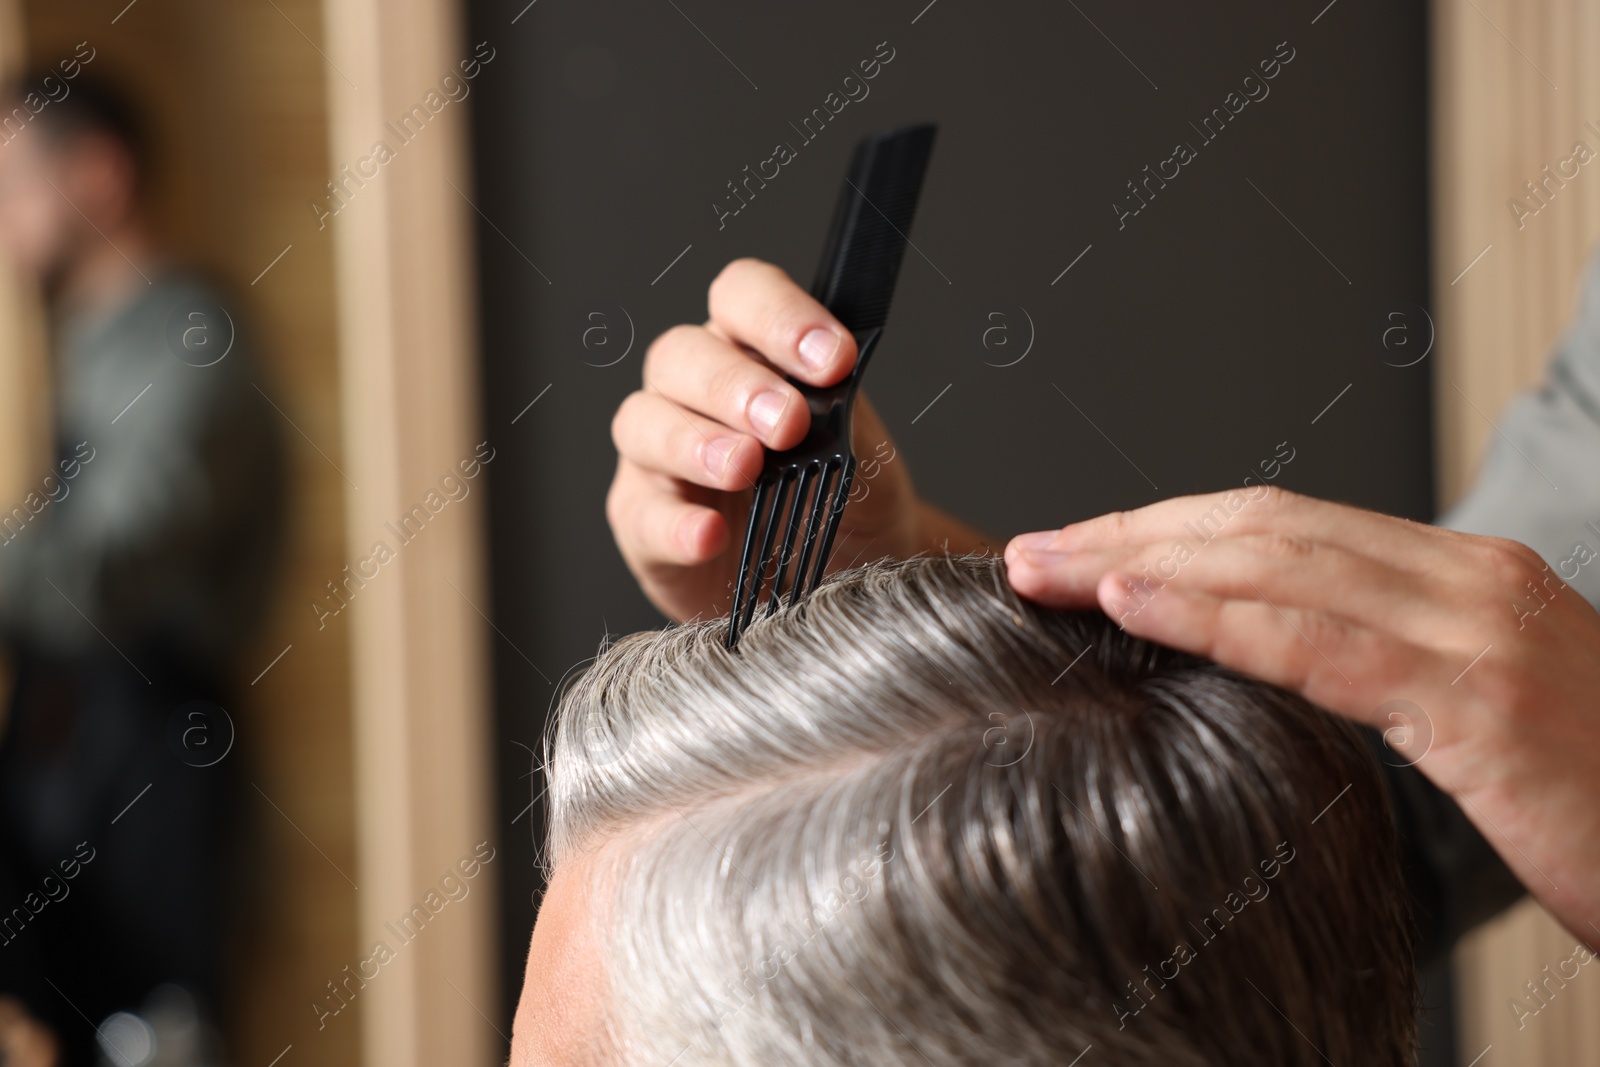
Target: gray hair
{"points": [[917, 820]]}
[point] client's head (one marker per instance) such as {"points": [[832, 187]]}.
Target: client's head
{"points": [[918, 820]]}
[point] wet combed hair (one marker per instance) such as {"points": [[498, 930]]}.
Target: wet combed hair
{"points": [[917, 820]]}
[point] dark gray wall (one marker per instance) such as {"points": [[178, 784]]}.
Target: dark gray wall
{"points": [[1220, 321]]}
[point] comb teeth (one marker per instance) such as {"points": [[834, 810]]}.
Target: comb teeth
{"points": [[806, 499], [808, 485], [819, 523]]}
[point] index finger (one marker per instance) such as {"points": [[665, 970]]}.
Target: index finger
{"points": [[759, 306], [1338, 664], [1254, 510]]}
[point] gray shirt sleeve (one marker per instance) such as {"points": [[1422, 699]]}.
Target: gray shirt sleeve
{"points": [[1540, 482]]}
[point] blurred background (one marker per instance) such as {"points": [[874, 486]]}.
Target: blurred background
{"points": [[341, 296]]}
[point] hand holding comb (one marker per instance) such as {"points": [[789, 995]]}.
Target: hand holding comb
{"points": [[802, 491]]}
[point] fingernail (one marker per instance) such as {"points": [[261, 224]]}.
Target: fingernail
{"points": [[1030, 542], [818, 347], [717, 454], [1042, 557], [766, 409]]}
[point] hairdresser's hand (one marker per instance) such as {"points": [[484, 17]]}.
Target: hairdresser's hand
{"points": [[1355, 610], [692, 440]]}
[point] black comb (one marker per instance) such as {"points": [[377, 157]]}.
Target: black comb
{"points": [[804, 489]]}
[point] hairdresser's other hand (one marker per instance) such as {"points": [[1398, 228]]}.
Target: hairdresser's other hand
{"points": [[691, 443], [1358, 611]]}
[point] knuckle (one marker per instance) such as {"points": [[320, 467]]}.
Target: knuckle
{"points": [[1530, 559], [1518, 584], [1284, 546], [1322, 631], [1278, 499], [732, 278], [1117, 525], [1511, 563], [627, 414], [670, 344]]}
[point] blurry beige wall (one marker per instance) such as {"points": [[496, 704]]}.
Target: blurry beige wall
{"points": [[1515, 81]]}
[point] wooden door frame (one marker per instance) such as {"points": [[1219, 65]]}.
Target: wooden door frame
{"points": [[409, 384]]}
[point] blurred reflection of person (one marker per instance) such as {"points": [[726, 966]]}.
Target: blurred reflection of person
{"points": [[129, 576]]}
